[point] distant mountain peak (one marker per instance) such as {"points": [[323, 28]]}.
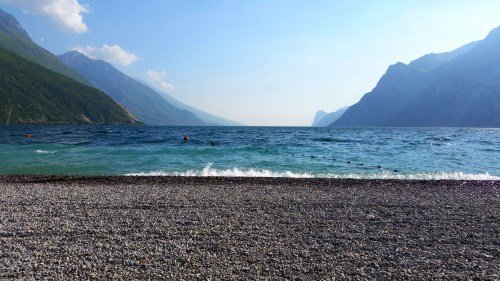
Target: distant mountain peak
{"points": [[495, 32], [397, 66], [15, 39], [77, 59], [75, 54], [323, 119], [319, 115], [493, 37], [9, 24]]}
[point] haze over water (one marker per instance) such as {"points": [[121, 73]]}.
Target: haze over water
{"points": [[436, 153]]}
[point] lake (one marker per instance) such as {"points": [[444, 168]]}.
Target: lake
{"points": [[401, 153]]}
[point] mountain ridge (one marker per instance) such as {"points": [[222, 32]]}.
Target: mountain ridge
{"points": [[143, 101], [15, 39], [32, 94], [457, 88], [9, 24]]}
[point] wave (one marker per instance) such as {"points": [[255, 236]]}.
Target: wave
{"points": [[39, 151], [209, 171]]}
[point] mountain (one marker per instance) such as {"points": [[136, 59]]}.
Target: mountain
{"points": [[318, 117], [432, 61], [32, 94], [481, 63], [144, 102], [456, 89], [204, 116], [323, 119], [15, 39]]}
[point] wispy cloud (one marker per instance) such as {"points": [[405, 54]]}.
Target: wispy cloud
{"points": [[158, 79], [112, 54], [66, 13]]}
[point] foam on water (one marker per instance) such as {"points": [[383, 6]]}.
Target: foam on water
{"points": [[39, 151], [293, 152], [209, 171]]}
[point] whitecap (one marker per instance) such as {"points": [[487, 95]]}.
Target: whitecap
{"points": [[209, 171], [39, 151]]}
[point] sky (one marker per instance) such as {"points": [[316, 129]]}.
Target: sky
{"points": [[257, 62]]}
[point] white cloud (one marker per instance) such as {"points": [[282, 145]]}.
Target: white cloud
{"points": [[112, 54], [158, 78], [66, 13]]}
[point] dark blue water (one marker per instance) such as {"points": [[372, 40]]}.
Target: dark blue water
{"points": [[436, 153]]}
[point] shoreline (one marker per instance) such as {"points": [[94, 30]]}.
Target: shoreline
{"points": [[122, 179], [121, 227]]}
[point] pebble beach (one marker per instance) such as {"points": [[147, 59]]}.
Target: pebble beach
{"points": [[184, 228]]}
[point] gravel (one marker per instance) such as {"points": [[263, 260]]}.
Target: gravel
{"points": [[247, 228]]}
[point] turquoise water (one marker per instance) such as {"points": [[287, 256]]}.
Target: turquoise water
{"points": [[421, 153]]}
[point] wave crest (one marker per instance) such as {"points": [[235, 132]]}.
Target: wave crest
{"points": [[39, 151], [209, 171]]}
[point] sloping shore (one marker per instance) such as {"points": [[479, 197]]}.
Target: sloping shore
{"points": [[257, 228]]}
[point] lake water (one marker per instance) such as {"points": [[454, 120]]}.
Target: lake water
{"points": [[414, 153]]}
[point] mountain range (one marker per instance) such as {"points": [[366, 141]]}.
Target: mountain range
{"points": [[145, 103], [127, 94], [460, 88], [32, 94], [15, 39], [455, 89]]}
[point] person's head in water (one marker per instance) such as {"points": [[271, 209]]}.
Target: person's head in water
{"points": [[213, 143], [186, 138]]}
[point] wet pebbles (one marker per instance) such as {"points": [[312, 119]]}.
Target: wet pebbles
{"points": [[231, 228]]}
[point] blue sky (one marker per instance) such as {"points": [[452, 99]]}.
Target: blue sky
{"points": [[257, 62]]}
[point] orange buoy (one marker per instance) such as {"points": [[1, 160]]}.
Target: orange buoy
{"points": [[186, 137]]}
